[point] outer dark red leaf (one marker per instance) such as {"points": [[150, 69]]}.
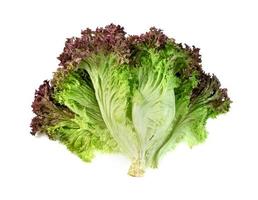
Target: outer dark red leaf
{"points": [[47, 111]]}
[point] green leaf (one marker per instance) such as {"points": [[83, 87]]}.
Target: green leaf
{"points": [[89, 132], [112, 89], [153, 102]]}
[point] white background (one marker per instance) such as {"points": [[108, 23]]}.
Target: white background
{"points": [[32, 35]]}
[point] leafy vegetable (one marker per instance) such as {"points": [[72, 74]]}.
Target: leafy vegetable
{"points": [[134, 95]]}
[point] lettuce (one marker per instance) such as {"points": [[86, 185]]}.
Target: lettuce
{"points": [[134, 95]]}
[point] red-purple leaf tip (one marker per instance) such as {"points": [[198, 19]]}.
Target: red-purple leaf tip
{"points": [[47, 112], [109, 39]]}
